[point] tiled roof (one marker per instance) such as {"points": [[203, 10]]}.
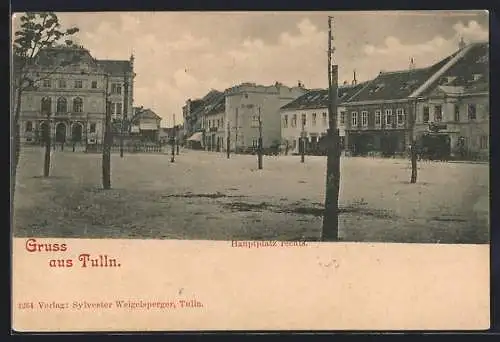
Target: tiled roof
{"points": [[53, 56], [199, 109], [144, 112], [318, 98], [217, 105], [56, 55], [397, 85], [115, 67], [461, 74]]}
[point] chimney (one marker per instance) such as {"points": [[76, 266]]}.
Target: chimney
{"points": [[132, 58], [354, 80], [412, 63], [461, 44]]}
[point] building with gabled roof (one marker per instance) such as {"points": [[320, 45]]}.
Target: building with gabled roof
{"points": [[378, 116], [458, 102], [213, 123], [145, 124], [193, 111], [307, 117], [68, 97]]}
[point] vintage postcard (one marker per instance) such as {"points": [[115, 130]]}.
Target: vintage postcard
{"points": [[256, 171]]}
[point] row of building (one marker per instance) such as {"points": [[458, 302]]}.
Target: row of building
{"points": [[68, 98], [379, 115]]}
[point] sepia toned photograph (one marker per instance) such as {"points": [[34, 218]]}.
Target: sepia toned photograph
{"points": [[158, 149], [215, 126]]}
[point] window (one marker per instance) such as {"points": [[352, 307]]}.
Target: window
{"points": [[364, 118], [255, 142], [313, 123], [94, 84], [476, 77], [483, 142], [78, 84], [354, 119], [78, 105], [246, 95], [62, 105], [62, 84], [218, 123], [342, 118], [426, 115], [47, 84], [457, 113], [472, 111], [304, 120], [92, 127], [388, 117], [116, 88], [438, 113], [294, 120], [400, 116], [285, 121], [255, 121], [378, 118], [325, 120], [222, 122], [46, 105], [29, 126]]}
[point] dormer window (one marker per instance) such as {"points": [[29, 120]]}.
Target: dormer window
{"points": [[476, 77]]}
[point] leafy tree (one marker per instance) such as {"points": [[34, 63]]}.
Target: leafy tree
{"points": [[38, 30]]}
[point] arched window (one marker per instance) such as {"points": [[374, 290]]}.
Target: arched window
{"points": [[62, 105], [46, 105], [78, 105]]}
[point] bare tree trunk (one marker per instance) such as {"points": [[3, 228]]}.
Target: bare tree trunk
{"points": [[46, 162], [259, 151], [17, 133], [172, 159], [228, 141], [106, 150]]}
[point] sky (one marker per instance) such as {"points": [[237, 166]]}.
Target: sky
{"points": [[182, 55]]}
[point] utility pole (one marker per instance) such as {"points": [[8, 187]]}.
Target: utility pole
{"points": [[302, 141], [259, 150], [124, 111], [330, 231], [106, 149], [172, 140], [228, 140]]}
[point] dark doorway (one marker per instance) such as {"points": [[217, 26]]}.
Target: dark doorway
{"points": [[60, 133], [76, 133]]}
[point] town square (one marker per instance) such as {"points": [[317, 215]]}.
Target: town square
{"points": [[231, 146]]}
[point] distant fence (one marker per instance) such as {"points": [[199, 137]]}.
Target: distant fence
{"points": [[139, 148]]}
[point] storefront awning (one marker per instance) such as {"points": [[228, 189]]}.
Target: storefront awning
{"points": [[198, 136]]}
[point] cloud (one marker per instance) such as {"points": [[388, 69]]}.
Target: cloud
{"points": [[181, 56], [396, 55]]}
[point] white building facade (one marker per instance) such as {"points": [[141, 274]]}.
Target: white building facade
{"points": [[244, 104], [307, 117]]}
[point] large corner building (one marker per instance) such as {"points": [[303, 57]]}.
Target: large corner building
{"points": [[69, 100]]}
